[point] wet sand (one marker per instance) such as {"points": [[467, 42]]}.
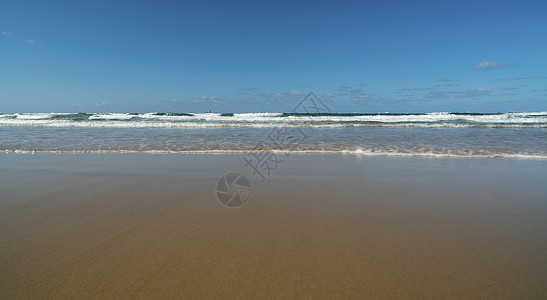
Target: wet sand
{"points": [[321, 226]]}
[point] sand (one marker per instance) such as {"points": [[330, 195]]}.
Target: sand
{"points": [[320, 226]]}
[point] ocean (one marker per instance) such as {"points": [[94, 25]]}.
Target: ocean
{"points": [[520, 135]]}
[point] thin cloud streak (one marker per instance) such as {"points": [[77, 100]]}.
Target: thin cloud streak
{"points": [[418, 88], [23, 40], [487, 65]]}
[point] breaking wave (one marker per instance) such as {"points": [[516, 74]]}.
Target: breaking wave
{"points": [[266, 120]]}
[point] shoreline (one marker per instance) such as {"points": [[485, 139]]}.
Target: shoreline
{"points": [[357, 152]]}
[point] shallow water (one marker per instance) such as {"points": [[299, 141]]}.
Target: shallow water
{"points": [[517, 135]]}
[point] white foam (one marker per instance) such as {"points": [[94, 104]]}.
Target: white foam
{"points": [[112, 116], [358, 152], [263, 120], [446, 154]]}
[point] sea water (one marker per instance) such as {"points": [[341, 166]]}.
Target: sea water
{"points": [[513, 135]]}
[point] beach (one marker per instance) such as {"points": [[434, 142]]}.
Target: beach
{"points": [[144, 225], [273, 150]]}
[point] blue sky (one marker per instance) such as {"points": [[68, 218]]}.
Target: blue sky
{"points": [[247, 56]]}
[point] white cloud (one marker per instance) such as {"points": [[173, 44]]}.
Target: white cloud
{"points": [[26, 41], [445, 79], [437, 95], [445, 85], [246, 91], [418, 88], [281, 97], [354, 93], [350, 90], [486, 65], [512, 79], [476, 92]]}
